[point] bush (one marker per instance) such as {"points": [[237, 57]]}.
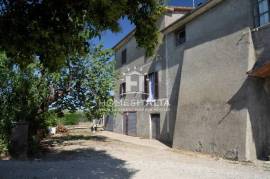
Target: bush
{"points": [[51, 119], [72, 118], [3, 147]]}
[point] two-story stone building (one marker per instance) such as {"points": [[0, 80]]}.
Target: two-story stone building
{"points": [[211, 67]]}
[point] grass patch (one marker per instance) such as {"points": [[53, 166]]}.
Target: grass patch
{"points": [[72, 118]]}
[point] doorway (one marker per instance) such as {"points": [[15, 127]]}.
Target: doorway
{"points": [[130, 123], [155, 126]]}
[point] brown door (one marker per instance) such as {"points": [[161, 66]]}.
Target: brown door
{"points": [[155, 126]]}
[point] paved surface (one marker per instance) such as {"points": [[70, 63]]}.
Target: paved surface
{"points": [[109, 155]]}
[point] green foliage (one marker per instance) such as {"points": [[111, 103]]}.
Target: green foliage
{"points": [[71, 118], [67, 119], [27, 94], [55, 30], [101, 71], [51, 119], [86, 83], [3, 146], [23, 93]]}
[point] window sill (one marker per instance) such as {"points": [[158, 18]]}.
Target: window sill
{"points": [[261, 27]]}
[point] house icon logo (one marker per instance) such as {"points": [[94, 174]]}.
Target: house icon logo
{"points": [[134, 81]]}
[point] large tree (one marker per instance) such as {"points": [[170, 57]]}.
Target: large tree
{"points": [[42, 41], [86, 84], [26, 94], [55, 30]]}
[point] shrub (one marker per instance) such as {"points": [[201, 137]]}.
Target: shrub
{"points": [[3, 147], [71, 119], [51, 119]]}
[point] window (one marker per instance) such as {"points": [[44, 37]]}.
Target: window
{"points": [[122, 90], [124, 56], [151, 87], [180, 36], [263, 12]]}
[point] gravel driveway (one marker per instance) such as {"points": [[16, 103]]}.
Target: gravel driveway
{"points": [[108, 155]]}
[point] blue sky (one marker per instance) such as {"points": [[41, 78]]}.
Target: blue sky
{"points": [[109, 39]]}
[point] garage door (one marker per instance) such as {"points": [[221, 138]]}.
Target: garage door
{"points": [[109, 123], [130, 123]]}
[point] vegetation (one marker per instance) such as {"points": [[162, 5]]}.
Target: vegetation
{"points": [[46, 60], [27, 94], [22, 96], [3, 147], [58, 30], [72, 118], [68, 118], [51, 119], [85, 83]]}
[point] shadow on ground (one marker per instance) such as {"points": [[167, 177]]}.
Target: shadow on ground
{"points": [[75, 163], [80, 163], [61, 139]]}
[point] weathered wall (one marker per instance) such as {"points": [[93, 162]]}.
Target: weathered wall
{"points": [[217, 108], [173, 56], [118, 124], [215, 62], [261, 38], [136, 58], [259, 96], [259, 114]]}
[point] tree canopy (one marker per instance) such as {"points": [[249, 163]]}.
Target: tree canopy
{"points": [[86, 84], [47, 61], [55, 30]]}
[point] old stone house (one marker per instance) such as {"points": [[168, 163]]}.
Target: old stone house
{"points": [[212, 68]]}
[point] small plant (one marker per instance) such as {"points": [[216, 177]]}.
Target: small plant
{"points": [[51, 119], [3, 147]]}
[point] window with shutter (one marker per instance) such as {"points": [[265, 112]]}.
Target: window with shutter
{"points": [[151, 87], [124, 56], [146, 91], [180, 36], [156, 95], [122, 90]]}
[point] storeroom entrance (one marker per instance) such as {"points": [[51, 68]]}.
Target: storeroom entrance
{"points": [[130, 123], [155, 126]]}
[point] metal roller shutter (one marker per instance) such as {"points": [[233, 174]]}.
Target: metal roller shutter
{"points": [[109, 123], [130, 123]]}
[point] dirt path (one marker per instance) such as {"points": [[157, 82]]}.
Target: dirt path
{"points": [[106, 155]]}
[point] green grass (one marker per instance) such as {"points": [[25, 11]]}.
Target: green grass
{"points": [[72, 118]]}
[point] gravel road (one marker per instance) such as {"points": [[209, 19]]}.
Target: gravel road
{"points": [[108, 155]]}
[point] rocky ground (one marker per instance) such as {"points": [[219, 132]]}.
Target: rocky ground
{"points": [[82, 154]]}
